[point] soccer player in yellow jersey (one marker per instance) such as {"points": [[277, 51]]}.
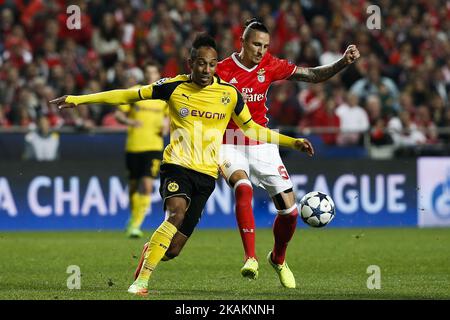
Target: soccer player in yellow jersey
{"points": [[200, 107], [147, 123]]}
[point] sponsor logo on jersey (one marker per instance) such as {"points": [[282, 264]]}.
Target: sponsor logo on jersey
{"points": [[261, 75], [184, 112], [249, 96], [233, 80], [208, 114]]}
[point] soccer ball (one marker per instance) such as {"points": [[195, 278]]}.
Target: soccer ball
{"points": [[317, 209]]}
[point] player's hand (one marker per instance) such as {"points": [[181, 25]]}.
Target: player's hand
{"points": [[304, 145], [351, 54], [61, 103]]}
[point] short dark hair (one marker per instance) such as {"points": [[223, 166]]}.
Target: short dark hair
{"points": [[202, 40], [254, 24]]}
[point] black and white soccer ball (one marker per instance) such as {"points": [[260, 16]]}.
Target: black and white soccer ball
{"points": [[317, 209]]}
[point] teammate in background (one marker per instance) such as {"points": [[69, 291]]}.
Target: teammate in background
{"points": [[242, 160], [41, 144], [147, 124], [200, 107]]}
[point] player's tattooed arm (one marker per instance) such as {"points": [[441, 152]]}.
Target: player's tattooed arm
{"points": [[322, 73], [318, 74]]}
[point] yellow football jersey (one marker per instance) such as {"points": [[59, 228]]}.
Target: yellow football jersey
{"points": [[199, 117], [150, 113]]}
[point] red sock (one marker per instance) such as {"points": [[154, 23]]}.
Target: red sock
{"points": [[283, 229], [245, 218]]}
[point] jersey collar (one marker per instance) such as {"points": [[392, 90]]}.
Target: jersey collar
{"points": [[240, 65]]}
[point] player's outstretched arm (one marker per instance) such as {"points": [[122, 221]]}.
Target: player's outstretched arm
{"points": [[322, 73], [253, 130], [121, 96]]}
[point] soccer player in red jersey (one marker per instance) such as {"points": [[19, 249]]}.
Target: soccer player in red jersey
{"points": [[244, 161]]}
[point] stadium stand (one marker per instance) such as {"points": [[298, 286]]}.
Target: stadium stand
{"points": [[404, 66]]}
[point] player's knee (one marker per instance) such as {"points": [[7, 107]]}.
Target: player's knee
{"points": [[176, 208], [237, 176], [145, 185], [147, 190], [243, 183]]}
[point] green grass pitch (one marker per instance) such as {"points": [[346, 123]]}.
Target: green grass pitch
{"points": [[328, 264]]}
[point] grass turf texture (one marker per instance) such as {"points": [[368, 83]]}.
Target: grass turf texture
{"points": [[327, 263]]}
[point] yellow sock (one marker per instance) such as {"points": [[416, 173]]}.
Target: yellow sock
{"points": [[139, 206], [157, 247], [134, 208]]}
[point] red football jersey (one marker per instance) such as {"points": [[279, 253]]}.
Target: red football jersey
{"points": [[253, 84]]}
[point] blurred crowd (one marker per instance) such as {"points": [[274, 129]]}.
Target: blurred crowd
{"points": [[399, 90]]}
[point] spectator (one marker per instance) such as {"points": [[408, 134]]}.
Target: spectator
{"points": [[105, 41], [379, 134], [419, 91], [405, 67], [329, 122], [438, 109], [17, 51], [373, 108], [42, 144], [379, 85], [7, 22], [405, 132], [444, 126], [426, 125], [284, 108], [332, 54], [10, 86], [407, 102], [312, 101], [354, 121]]}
